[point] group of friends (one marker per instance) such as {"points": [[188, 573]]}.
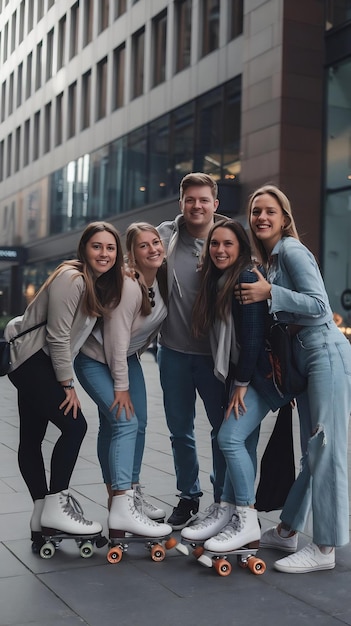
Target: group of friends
{"points": [[205, 291]]}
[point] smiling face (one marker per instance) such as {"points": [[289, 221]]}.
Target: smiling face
{"points": [[267, 220], [198, 207], [148, 251], [101, 252], [224, 248]]}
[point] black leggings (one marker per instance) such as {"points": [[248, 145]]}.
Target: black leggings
{"points": [[39, 397]]}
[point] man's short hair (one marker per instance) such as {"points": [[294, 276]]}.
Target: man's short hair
{"points": [[198, 179]]}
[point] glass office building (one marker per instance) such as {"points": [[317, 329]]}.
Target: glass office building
{"points": [[105, 105]]}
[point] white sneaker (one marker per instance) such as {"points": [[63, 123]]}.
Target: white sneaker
{"points": [[309, 559], [272, 539], [62, 513], [218, 516], [241, 530], [146, 507]]}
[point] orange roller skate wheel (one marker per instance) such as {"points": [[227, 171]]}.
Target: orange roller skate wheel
{"points": [[256, 566], [157, 553], [198, 551], [171, 543], [222, 567], [114, 555]]}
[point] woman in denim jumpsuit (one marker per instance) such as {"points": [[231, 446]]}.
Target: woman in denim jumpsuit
{"points": [[296, 295]]}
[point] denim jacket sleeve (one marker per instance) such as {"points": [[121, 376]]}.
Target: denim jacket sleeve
{"points": [[297, 286], [249, 323]]}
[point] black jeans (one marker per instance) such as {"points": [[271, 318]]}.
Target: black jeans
{"points": [[39, 397]]}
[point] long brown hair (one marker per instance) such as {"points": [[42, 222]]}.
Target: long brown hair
{"points": [[213, 302], [289, 229], [100, 293], [132, 233]]}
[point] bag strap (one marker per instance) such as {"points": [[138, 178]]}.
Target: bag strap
{"points": [[28, 330]]}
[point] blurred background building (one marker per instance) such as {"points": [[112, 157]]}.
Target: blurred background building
{"points": [[106, 104]]}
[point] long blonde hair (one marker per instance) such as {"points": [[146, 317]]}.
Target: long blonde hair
{"points": [[289, 229], [132, 233], [101, 293]]}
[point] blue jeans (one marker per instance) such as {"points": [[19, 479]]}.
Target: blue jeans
{"points": [[181, 376], [238, 441], [324, 355], [120, 442]]}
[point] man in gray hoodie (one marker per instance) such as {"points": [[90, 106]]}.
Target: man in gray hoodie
{"points": [[186, 364]]}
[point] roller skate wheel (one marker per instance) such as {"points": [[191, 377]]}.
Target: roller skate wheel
{"points": [[170, 543], [47, 550], [157, 553], [222, 567], [198, 551], [256, 566], [205, 560], [182, 549], [86, 550], [114, 555]]}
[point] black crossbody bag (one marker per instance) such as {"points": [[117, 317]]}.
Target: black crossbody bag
{"points": [[5, 354]]}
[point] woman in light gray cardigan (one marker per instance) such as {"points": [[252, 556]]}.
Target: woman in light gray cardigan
{"points": [[70, 301]]}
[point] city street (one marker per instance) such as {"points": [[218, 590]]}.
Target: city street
{"points": [[68, 590]]}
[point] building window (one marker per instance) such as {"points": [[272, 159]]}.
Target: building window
{"points": [[29, 75], [61, 43], [183, 33], [2, 160], [9, 155], [30, 15], [3, 100], [49, 54], [138, 42], [21, 22], [210, 26], [118, 77], [19, 84], [13, 31], [51, 3], [338, 12], [86, 99], [103, 17], [6, 41], [159, 25], [40, 9], [26, 143], [11, 89], [120, 8], [47, 129], [72, 109], [59, 119], [36, 137], [182, 133], [236, 16], [88, 21], [18, 149], [74, 31], [159, 158], [101, 89], [38, 65]]}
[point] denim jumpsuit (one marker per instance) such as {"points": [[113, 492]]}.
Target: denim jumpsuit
{"points": [[323, 355]]}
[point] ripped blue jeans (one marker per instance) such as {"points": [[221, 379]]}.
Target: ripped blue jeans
{"points": [[323, 354]]}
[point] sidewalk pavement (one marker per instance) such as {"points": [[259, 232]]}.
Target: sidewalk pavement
{"points": [[68, 590]]}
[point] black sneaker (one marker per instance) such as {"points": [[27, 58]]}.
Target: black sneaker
{"points": [[184, 513]]}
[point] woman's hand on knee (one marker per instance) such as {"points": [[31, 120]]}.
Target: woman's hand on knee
{"points": [[237, 404], [122, 401], [70, 402]]}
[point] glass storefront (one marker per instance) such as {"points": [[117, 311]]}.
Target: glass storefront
{"points": [[337, 215]]}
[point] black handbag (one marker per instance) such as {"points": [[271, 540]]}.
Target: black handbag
{"points": [[286, 376], [5, 354]]}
